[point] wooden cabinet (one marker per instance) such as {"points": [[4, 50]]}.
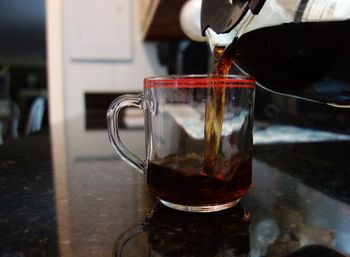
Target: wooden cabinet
{"points": [[160, 20]]}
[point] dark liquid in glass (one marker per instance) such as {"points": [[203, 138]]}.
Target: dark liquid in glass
{"points": [[191, 185]]}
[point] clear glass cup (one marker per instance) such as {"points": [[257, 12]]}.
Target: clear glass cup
{"points": [[198, 132]]}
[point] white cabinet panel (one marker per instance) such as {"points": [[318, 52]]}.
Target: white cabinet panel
{"points": [[99, 29]]}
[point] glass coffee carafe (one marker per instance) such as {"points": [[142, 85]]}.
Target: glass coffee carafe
{"points": [[292, 47]]}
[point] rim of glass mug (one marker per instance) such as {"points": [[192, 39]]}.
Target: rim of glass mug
{"points": [[199, 81]]}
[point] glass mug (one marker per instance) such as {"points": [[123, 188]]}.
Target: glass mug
{"points": [[198, 134]]}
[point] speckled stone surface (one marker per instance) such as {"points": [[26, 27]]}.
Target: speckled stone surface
{"points": [[69, 195], [27, 216]]}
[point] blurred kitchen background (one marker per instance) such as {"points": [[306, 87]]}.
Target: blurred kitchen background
{"points": [[62, 58]]}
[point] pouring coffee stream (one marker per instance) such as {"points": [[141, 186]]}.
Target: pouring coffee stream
{"points": [[215, 100], [214, 111]]}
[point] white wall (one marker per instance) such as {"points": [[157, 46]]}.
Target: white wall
{"points": [[107, 76], [101, 76], [69, 80]]}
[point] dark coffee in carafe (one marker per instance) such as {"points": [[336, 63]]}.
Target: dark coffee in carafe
{"points": [[308, 60]]}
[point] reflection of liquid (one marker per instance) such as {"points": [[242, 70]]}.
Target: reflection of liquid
{"points": [[174, 233]]}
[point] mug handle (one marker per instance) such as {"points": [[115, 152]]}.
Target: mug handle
{"points": [[113, 130]]}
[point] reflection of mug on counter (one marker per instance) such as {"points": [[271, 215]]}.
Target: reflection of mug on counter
{"points": [[198, 145], [171, 233]]}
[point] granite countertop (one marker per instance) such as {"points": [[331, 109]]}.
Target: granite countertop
{"points": [[65, 193]]}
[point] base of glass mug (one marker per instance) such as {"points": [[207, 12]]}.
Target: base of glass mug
{"points": [[200, 208]]}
